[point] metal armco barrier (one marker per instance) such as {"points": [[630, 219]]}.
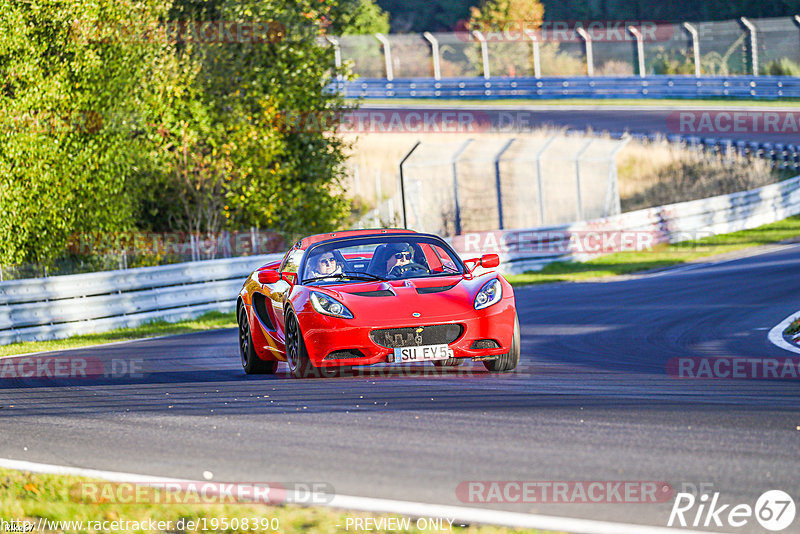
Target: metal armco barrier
{"points": [[663, 86], [61, 306], [532, 248]]}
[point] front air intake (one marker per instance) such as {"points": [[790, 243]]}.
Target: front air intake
{"points": [[440, 334]]}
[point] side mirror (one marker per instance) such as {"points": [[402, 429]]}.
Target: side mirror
{"points": [[490, 260], [268, 277]]}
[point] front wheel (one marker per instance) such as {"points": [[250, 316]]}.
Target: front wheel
{"points": [[300, 365], [507, 361], [252, 364]]}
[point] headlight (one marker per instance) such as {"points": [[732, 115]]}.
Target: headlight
{"points": [[329, 306], [490, 293]]}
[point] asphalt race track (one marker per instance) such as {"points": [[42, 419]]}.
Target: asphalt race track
{"points": [[647, 120], [591, 401]]}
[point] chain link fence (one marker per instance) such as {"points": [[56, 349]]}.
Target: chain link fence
{"points": [[596, 48], [452, 187]]}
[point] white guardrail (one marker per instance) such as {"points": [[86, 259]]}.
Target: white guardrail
{"points": [[532, 248], [62, 306]]}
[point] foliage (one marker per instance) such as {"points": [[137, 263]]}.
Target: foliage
{"points": [[506, 19], [782, 67], [358, 17], [426, 15], [107, 130], [62, 169], [672, 62]]}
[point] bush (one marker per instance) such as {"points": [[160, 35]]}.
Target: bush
{"points": [[781, 67]]}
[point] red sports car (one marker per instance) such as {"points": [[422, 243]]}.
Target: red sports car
{"points": [[373, 296]]}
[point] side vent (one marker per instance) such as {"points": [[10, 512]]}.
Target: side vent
{"points": [[260, 305]]}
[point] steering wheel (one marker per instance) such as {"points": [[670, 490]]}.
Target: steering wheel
{"points": [[399, 270]]}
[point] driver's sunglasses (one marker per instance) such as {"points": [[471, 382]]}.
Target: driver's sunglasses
{"points": [[403, 256], [326, 261]]}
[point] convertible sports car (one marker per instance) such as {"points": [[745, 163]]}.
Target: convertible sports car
{"points": [[363, 297]]}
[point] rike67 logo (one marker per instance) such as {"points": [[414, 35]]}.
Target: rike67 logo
{"points": [[774, 510]]}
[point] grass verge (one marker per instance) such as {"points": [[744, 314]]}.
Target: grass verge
{"points": [[661, 256], [207, 321], [27, 497]]}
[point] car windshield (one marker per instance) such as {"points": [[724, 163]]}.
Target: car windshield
{"points": [[384, 257]]}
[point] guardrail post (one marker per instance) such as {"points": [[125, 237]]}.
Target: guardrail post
{"points": [[337, 55], [695, 47], [437, 71], [497, 179], [753, 44], [403, 182], [456, 199], [484, 53], [639, 48], [537, 63], [589, 57], [387, 55], [539, 183]]}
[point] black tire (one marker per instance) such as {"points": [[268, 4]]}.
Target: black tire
{"points": [[252, 364], [449, 362], [507, 361], [300, 365]]}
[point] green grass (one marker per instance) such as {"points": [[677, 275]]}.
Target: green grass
{"points": [[207, 321], [30, 496], [673, 102], [661, 256]]}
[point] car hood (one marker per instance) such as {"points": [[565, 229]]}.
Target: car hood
{"points": [[438, 297]]}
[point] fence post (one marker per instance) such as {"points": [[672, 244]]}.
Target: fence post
{"points": [[589, 57], [403, 182], [387, 55], [695, 47], [484, 53], [579, 195], [612, 189], [497, 179], [639, 48], [437, 71], [753, 44], [337, 55], [539, 183], [454, 165], [537, 63]]}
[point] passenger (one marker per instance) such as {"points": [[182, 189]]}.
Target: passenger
{"points": [[323, 265]]}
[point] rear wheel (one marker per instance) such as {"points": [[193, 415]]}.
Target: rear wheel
{"points": [[252, 364], [300, 365], [508, 361]]}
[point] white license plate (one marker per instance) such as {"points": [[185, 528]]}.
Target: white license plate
{"points": [[423, 353]]}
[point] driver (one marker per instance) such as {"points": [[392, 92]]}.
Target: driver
{"points": [[398, 254], [323, 265]]}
